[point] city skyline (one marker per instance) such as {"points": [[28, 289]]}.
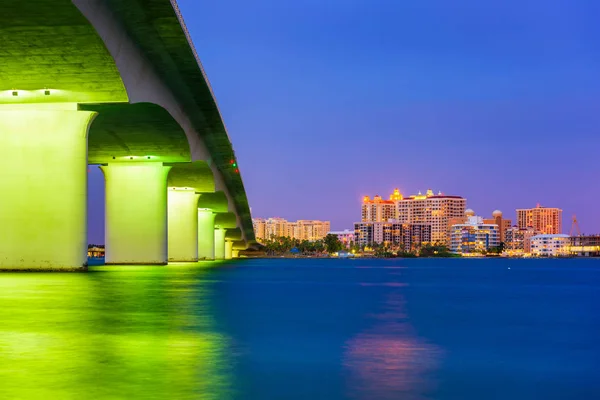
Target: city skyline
{"points": [[329, 101]]}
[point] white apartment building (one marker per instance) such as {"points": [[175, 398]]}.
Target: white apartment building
{"points": [[549, 245]]}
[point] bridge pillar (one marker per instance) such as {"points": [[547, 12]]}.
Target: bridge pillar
{"points": [[136, 213], [183, 225], [43, 212], [219, 244], [228, 249], [235, 253], [206, 236]]}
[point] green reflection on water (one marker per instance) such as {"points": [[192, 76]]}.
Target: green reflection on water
{"points": [[115, 332]]}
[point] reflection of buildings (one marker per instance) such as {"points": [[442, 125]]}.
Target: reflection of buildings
{"points": [[311, 230], [389, 360], [542, 219], [549, 245], [392, 233], [420, 209], [474, 236]]}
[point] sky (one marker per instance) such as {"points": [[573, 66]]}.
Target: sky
{"points": [[327, 101]]}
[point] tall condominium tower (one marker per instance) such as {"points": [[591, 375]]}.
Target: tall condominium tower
{"points": [[431, 209], [543, 219]]}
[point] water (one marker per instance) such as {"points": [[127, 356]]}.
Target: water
{"points": [[305, 329]]}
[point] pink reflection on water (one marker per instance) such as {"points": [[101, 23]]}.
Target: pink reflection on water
{"points": [[389, 360]]}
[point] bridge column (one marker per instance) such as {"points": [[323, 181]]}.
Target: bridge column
{"points": [[235, 254], [228, 249], [219, 244], [183, 225], [206, 236], [43, 211], [136, 213]]}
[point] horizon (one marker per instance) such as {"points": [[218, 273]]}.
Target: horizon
{"points": [[327, 102]]}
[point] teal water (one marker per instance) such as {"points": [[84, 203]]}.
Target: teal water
{"points": [[305, 329]]}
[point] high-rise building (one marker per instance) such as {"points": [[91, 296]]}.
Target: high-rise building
{"points": [[503, 224], [434, 210], [543, 219], [474, 236], [377, 209], [311, 230]]}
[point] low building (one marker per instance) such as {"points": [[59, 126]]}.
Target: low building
{"points": [[584, 246], [550, 245], [517, 241], [346, 236], [392, 234], [474, 236]]}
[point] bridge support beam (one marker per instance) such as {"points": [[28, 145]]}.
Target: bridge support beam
{"points": [[43, 212], [136, 213], [206, 236], [235, 253], [228, 249], [219, 244], [183, 225]]}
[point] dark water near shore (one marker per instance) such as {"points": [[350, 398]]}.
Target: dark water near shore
{"points": [[305, 329]]}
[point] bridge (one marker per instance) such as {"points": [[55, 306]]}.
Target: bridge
{"points": [[114, 83]]}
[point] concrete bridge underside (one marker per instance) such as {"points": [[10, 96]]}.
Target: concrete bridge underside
{"points": [[114, 83]]}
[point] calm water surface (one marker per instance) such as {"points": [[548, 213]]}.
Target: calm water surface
{"points": [[305, 329]]}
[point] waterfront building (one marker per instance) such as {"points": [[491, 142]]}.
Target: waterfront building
{"points": [[474, 236], [584, 246], [549, 245], [346, 236], [302, 229], [543, 219], [434, 210], [517, 241], [392, 234], [503, 224]]}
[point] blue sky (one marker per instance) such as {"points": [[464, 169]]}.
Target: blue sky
{"points": [[327, 101]]}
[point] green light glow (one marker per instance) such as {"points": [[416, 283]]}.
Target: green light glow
{"points": [[183, 225], [136, 213], [206, 236], [43, 217], [131, 333]]}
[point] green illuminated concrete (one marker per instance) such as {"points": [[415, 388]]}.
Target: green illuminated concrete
{"points": [[136, 213], [206, 236], [43, 211], [228, 249], [219, 244], [235, 253], [183, 225]]}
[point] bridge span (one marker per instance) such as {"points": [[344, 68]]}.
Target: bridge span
{"points": [[114, 83]]}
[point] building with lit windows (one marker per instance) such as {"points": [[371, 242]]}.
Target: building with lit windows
{"points": [[392, 234], [584, 246], [549, 245], [302, 229], [429, 209], [377, 209], [543, 219], [517, 241], [474, 236], [434, 210]]}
